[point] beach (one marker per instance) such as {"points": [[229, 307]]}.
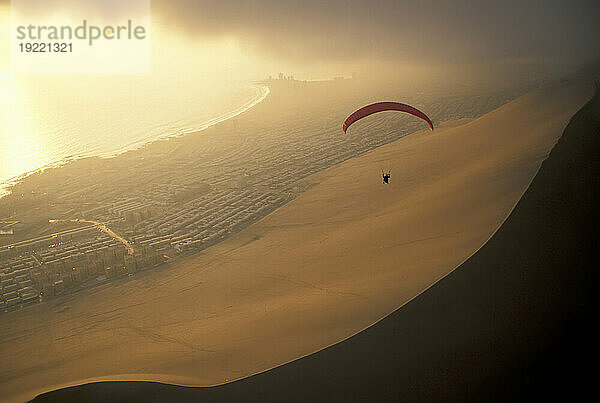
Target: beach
{"points": [[333, 261]]}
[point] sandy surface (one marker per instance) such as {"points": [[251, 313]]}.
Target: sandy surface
{"points": [[341, 256]]}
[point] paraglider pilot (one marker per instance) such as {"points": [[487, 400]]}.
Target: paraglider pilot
{"points": [[386, 176]]}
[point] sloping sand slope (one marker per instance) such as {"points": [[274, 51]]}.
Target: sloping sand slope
{"points": [[335, 260], [502, 327]]}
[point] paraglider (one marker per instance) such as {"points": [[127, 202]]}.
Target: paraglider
{"points": [[381, 107]]}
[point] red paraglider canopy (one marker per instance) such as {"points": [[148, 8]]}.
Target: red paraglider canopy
{"points": [[381, 107]]}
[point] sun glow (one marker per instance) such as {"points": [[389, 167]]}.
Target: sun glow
{"points": [[43, 118], [22, 147]]}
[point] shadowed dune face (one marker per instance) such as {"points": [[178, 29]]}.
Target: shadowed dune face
{"points": [[336, 259]]}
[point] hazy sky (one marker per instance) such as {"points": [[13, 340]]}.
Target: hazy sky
{"points": [[312, 37], [396, 30]]}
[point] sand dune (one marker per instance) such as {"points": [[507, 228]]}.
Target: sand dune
{"points": [[341, 256], [501, 327]]}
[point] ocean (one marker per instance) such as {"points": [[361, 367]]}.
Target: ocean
{"points": [[48, 120]]}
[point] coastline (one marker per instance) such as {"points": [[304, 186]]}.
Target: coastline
{"points": [[261, 94], [280, 222]]}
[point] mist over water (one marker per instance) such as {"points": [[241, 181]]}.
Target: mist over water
{"points": [[46, 120]]}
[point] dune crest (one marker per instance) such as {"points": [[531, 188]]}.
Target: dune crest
{"points": [[341, 256]]}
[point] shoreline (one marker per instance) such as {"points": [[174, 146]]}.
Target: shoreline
{"points": [[262, 93]]}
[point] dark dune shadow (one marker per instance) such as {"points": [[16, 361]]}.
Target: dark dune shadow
{"points": [[514, 321]]}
